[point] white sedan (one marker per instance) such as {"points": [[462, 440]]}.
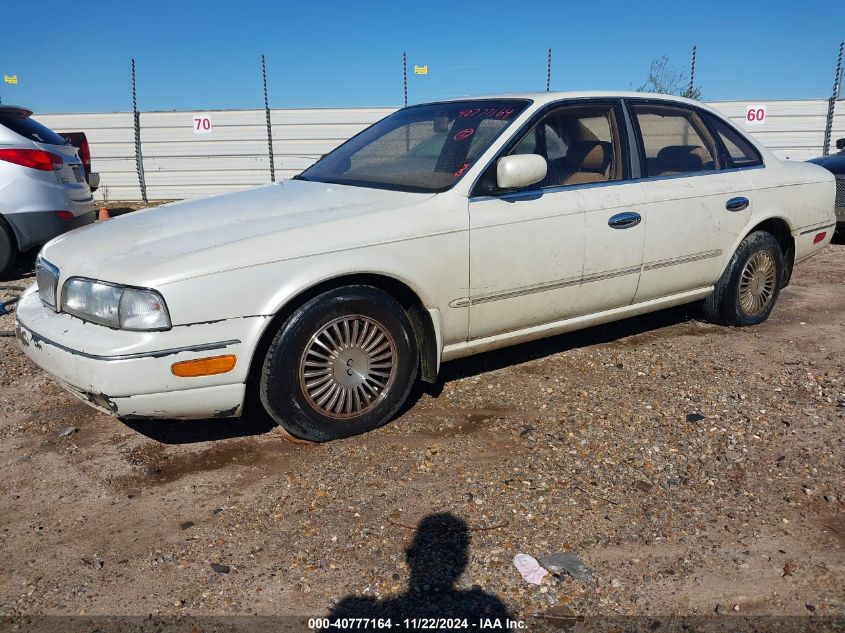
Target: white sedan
{"points": [[444, 230]]}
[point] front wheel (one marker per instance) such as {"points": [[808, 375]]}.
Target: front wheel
{"points": [[748, 289], [342, 364]]}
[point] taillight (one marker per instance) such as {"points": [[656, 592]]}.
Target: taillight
{"points": [[33, 158], [85, 155], [65, 215]]}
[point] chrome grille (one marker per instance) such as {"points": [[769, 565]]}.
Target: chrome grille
{"points": [[840, 191], [47, 277]]}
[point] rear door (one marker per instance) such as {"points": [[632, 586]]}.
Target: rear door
{"points": [[697, 203]]}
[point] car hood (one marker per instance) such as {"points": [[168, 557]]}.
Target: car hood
{"points": [[834, 163], [176, 241]]}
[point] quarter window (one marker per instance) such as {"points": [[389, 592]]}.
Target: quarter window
{"points": [[675, 140], [740, 152]]}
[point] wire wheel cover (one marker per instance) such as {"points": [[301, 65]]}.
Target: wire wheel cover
{"points": [[757, 283], [348, 366]]}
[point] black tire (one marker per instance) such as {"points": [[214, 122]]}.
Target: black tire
{"points": [[8, 249], [725, 305], [289, 398]]}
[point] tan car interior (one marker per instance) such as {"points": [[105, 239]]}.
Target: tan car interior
{"points": [[574, 153]]}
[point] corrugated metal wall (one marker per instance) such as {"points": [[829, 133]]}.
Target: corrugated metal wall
{"points": [[181, 164], [793, 129]]}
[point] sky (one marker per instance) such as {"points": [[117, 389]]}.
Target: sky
{"points": [[191, 55]]}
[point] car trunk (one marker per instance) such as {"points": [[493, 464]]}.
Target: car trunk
{"points": [[72, 172]]}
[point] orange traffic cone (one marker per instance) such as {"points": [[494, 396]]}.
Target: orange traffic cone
{"points": [[104, 214]]}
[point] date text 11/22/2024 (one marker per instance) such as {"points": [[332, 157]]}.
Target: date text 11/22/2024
{"points": [[417, 624]]}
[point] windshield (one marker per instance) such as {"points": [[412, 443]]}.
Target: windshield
{"points": [[423, 148]]}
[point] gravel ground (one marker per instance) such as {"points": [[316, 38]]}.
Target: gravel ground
{"points": [[694, 469]]}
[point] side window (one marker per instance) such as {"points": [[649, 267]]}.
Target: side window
{"points": [[740, 152], [675, 140], [543, 139], [580, 145]]}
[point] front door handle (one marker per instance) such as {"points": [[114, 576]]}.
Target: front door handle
{"points": [[737, 204], [624, 220]]}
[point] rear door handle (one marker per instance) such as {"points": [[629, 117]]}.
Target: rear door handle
{"points": [[624, 220], [737, 204]]}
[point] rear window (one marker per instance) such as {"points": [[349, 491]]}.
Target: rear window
{"points": [[31, 129]]}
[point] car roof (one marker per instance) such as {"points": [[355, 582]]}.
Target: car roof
{"points": [[15, 110], [541, 98]]}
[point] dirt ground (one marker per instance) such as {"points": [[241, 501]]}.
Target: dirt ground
{"points": [[694, 469]]}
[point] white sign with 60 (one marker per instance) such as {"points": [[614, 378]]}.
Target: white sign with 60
{"points": [[755, 114]]}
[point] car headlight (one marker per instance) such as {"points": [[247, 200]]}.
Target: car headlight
{"points": [[115, 306]]}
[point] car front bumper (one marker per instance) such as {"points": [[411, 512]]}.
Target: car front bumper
{"points": [[128, 374]]}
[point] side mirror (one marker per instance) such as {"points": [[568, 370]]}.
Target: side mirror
{"points": [[520, 170], [94, 181], [840, 143]]}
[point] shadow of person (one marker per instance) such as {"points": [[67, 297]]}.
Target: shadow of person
{"points": [[437, 557]]}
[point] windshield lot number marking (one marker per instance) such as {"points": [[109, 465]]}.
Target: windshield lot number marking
{"points": [[496, 113]]}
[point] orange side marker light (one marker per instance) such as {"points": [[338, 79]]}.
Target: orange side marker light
{"points": [[204, 366]]}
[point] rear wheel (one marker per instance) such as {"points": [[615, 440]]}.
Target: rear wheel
{"points": [[342, 364], [8, 249], [748, 289]]}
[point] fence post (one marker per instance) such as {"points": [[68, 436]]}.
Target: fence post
{"points": [[691, 74], [139, 158], [405, 75], [831, 104], [269, 126]]}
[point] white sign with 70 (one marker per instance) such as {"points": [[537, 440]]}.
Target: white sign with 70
{"points": [[202, 124], [755, 114]]}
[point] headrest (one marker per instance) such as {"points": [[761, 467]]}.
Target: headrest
{"points": [[682, 158], [589, 155]]}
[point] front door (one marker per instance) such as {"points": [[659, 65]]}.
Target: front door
{"points": [[569, 245]]}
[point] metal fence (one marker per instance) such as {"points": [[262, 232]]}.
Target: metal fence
{"points": [[179, 163]]}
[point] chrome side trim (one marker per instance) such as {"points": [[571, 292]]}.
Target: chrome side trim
{"points": [[526, 290], [543, 287], [37, 339], [465, 302], [537, 193], [818, 228], [696, 174], [686, 259]]}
